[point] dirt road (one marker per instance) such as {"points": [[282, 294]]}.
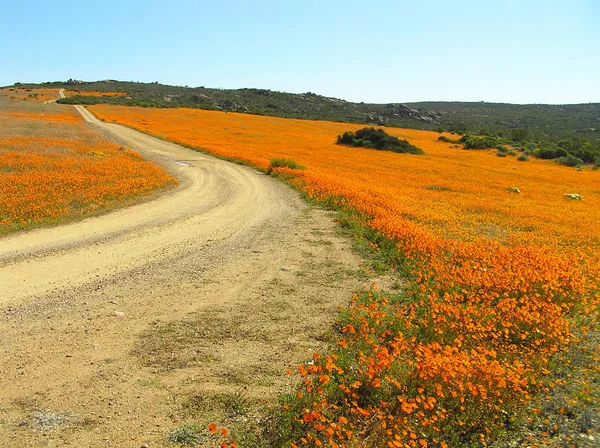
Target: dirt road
{"points": [[116, 329], [217, 201]]}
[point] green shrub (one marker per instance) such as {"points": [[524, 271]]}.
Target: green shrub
{"points": [[460, 128], [284, 163], [474, 142], [520, 135], [187, 435], [377, 139], [347, 138], [523, 158], [501, 153], [570, 160], [443, 138]]}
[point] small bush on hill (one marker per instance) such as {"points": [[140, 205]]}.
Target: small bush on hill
{"points": [[550, 153], [377, 139], [443, 138], [473, 142]]}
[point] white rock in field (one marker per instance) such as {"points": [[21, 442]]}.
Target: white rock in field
{"points": [[573, 197]]}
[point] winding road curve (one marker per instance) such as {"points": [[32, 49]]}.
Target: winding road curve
{"points": [[87, 308], [215, 200]]}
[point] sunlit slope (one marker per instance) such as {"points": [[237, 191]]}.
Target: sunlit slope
{"points": [[449, 192]]}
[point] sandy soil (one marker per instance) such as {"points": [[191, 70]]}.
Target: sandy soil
{"points": [[118, 328]]}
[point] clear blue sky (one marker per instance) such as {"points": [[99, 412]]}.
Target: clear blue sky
{"points": [[519, 51]]}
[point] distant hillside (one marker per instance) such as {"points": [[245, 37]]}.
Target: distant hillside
{"points": [[582, 120], [541, 122], [254, 101]]}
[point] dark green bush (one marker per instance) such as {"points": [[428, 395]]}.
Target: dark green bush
{"points": [[520, 135], [570, 160], [460, 128], [347, 138], [443, 138], [550, 153], [377, 139], [473, 142], [523, 158]]}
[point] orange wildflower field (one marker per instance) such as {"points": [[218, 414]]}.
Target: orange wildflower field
{"points": [[91, 93], [497, 283], [20, 94], [52, 167]]}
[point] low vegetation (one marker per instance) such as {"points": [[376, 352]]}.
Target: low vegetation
{"points": [[284, 163], [532, 122], [376, 139], [575, 153]]}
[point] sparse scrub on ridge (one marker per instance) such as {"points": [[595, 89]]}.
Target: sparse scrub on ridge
{"points": [[71, 93], [377, 139], [576, 152]]}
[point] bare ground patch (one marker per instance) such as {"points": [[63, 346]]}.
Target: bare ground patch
{"points": [[153, 355]]}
